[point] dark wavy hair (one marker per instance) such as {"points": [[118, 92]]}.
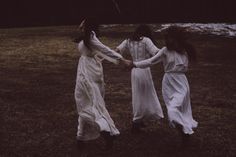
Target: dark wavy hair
{"points": [[90, 24], [142, 31], [175, 38]]}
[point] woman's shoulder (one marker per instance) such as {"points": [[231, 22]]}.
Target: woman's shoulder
{"points": [[93, 34], [80, 45], [146, 39], [126, 40], [164, 48]]}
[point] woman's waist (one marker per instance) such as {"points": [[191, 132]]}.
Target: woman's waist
{"points": [[175, 73], [90, 70], [138, 59], [88, 53], [141, 69], [89, 60], [88, 56]]}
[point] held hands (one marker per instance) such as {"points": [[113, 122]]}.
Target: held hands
{"points": [[127, 63]]}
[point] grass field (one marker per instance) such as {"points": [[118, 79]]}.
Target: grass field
{"points": [[38, 114]]}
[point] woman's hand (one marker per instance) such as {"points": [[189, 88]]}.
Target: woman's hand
{"points": [[125, 62], [128, 63]]}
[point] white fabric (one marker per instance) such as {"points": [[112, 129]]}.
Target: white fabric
{"points": [[89, 92], [144, 98], [175, 87]]}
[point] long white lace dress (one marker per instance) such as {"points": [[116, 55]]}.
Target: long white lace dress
{"points": [[175, 87], [89, 91], [146, 105]]}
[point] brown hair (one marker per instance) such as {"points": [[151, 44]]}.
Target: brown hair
{"points": [[175, 39], [90, 24], [142, 31]]}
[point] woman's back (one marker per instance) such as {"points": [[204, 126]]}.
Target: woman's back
{"points": [[174, 62], [83, 50], [139, 50]]}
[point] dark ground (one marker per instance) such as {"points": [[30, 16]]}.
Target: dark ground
{"points": [[38, 114]]}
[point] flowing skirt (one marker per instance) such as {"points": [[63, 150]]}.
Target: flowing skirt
{"points": [[89, 97], [176, 94], [145, 102]]}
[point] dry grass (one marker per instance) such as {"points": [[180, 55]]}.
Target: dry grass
{"points": [[38, 116]]}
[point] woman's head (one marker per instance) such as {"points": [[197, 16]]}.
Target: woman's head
{"points": [[87, 26], [175, 39], [142, 31], [90, 24]]}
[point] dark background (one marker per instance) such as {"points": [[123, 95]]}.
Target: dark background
{"points": [[21, 13]]}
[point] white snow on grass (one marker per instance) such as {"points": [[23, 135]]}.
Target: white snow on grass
{"points": [[222, 29]]}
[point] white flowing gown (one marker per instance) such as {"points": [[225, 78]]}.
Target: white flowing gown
{"points": [[175, 87], [89, 91], [145, 102]]}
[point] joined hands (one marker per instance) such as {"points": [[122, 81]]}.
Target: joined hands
{"points": [[127, 63]]}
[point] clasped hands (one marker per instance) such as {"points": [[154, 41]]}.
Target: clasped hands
{"points": [[127, 63]]}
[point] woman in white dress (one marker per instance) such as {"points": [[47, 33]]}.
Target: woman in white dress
{"points": [[175, 88], [145, 102], [94, 118]]}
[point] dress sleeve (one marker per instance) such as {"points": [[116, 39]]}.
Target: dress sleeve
{"points": [[150, 47], [123, 48], [99, 46], [151, 61]]}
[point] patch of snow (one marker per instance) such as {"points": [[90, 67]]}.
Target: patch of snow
{"points": [[222, 29]]}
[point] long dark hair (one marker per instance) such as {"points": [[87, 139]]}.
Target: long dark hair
{"points": [[142, 31], [175, 39], [90, 24]]}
